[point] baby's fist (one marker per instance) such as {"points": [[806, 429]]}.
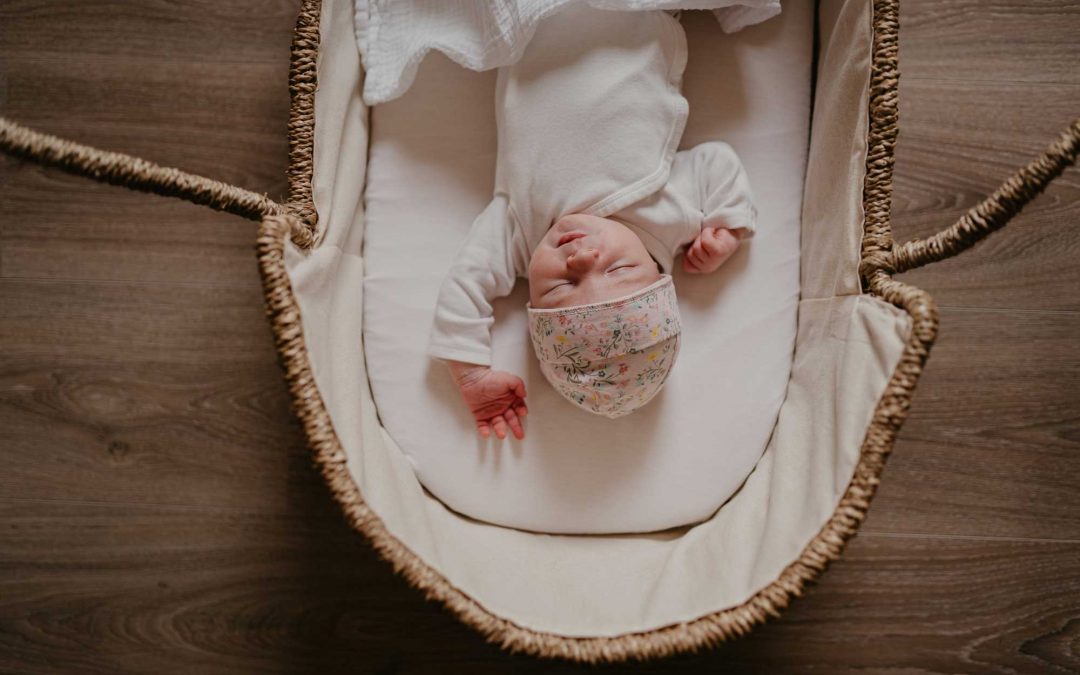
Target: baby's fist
{"points": [[711, 249]]}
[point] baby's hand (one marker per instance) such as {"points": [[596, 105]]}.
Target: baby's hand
{"points": [[711, 249], [495, 397]]}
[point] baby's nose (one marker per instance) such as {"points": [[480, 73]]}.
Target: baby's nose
{"points": [[582, 260]]}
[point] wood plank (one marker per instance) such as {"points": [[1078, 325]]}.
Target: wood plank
{"points": [[57, 226], [185, 435], [91, 324], [958, 142], [929, 605], [956, 40], [223, 121], [238, 31], [145, 394], [1000, 40], [992, 446], [93, 588]]}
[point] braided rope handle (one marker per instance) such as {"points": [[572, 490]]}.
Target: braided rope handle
{"points": [[138, 174], [990, 215], [116, 168]]}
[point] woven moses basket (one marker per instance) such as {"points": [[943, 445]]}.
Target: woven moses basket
{"points": [[863, 339]]}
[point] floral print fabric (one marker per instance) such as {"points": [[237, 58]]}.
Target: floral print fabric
{"points": [[611, 357]]}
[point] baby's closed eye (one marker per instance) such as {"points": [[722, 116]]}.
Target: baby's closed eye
{"points": [[558, 286]]}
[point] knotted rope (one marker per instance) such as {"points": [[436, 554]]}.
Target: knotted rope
{"points": [[117, 168], [988, 216]]}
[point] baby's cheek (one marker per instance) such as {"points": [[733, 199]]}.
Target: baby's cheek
{"points": [[534, 273]]}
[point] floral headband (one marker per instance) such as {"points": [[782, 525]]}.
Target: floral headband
{"points": [[610, 357]]}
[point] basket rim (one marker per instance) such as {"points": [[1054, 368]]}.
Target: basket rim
{"points": [[710, 629]]}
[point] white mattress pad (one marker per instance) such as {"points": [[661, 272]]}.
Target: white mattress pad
{"points": [[675, 461]]}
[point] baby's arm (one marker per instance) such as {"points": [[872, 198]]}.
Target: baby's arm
{"points": [[484, 268], [714, 179]]}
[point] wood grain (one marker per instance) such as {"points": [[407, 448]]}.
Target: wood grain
{"points": [[992, 447], [57, 226], [958, 142], [220, 120], [145, 394], [85, 323], [1000, 40], [129, 589], [238, 31]]}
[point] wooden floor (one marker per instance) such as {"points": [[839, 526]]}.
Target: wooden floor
{"points": [[159, 513]]}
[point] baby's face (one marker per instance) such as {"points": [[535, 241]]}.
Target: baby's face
{"points": [[585, 259]]}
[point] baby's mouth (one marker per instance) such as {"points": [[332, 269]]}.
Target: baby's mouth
{"points": [[569, 237]]}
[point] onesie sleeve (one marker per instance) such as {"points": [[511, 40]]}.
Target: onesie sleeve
{"points": [[484, 268], [712, 177]]}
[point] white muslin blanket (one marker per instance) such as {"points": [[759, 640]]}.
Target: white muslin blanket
{"points": [[395, 35]]}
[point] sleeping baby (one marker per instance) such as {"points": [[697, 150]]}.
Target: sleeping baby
{"points": [[592, 205]]}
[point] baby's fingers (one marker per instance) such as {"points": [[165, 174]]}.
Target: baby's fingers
{"points": [[484, 428], [710, 240], [499, 424], [693, 254], [515, 424], [689, 265]]}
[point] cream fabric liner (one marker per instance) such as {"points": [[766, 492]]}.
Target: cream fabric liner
{"points": [[431, 171], [847, 347]]}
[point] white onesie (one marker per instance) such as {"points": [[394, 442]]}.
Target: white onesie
{"points": [[589, 121]]}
